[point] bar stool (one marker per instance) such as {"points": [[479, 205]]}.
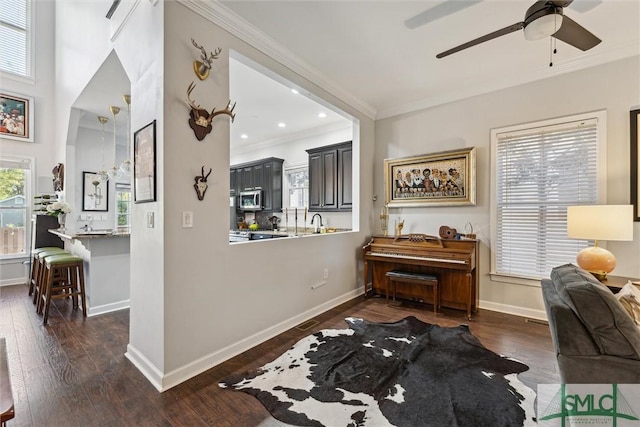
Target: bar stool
{"points": [[72, 268], [38, 274], [34, 266]]}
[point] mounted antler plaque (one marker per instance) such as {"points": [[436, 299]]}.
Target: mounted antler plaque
{"points": [[200, 119], [202, 68], [201, 183]]}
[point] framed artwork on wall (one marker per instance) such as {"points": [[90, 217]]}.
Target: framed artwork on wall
{"points": [[16, 117], [446, 178], [95, 193], [634, 120], [144, 164]]}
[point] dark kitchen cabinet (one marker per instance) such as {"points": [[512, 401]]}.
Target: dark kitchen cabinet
{"points": [[234, 181], [265, 174], [330, 181]]}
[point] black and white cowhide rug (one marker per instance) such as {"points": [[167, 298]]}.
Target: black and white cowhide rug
{"points": [[407, 373]]}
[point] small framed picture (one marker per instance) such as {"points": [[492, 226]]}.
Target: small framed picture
{"points": [[95, 193], [144, 164], [634, 131], [447, 178], [16, 117]]}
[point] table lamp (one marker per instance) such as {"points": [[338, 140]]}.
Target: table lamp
{"points": [[599, 222]]}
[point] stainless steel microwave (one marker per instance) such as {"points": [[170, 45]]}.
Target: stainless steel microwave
{"points": [[250, 200]]}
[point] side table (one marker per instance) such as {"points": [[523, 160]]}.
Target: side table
{"points": [[615, 283]]}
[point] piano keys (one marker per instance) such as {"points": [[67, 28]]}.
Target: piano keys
{"points": [[455, 262]]}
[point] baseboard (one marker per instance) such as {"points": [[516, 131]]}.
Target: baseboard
{"points": [[13, 281], [514, 309], [145, 366], [196, 367], [107, 308]]}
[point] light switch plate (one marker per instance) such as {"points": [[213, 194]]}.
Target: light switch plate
{"points": [[187, 219], [150, 220]]}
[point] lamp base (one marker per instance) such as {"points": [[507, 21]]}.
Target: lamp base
{"points": [[596, 260]]}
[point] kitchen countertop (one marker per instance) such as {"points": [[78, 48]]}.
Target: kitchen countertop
{"points": [[90, 235]]}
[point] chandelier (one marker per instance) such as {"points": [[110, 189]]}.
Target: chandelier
{"points": [[102, 174], [125, 167], [114, 172]]}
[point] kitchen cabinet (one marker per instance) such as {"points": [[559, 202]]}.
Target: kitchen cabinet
{"points": [[265, 174], [330, 180]]}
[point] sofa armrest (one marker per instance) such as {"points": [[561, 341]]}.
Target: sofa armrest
{"points": [[569, 335]]}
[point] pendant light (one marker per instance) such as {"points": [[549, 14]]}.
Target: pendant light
{"points": [[125, 167], [114, 172], [103, 176]]}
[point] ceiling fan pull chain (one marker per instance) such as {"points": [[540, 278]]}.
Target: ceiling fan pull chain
{"points": [[550, 51]]}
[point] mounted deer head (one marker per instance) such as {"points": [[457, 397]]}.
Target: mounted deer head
{"points": [[202, 67], [200, 119], [201, 183]]}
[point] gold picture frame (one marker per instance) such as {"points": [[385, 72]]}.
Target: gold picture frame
{"points": [[634, 131], [447, 178]]}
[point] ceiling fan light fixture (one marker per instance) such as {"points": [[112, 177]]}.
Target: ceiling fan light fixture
{"points": [[543, 27]]}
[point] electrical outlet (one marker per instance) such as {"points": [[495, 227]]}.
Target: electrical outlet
{"points": [[187, 219], [325, 273]]}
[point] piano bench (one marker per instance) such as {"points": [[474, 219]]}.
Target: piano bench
{"points": [[395, 276]]}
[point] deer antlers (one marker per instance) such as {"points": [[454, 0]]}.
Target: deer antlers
{"points": [[200, 119], [201, 183], [202, 68]]}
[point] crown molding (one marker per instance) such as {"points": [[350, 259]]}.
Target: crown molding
{"points": [[622, 51], [225, 18]]}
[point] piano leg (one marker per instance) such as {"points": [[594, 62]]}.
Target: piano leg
{"points": [[470, 296]]}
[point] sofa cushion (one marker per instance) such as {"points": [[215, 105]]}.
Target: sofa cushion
{"points": [[610, 326]]}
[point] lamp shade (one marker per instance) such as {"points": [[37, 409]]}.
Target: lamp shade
{"points": [[600, 222]]}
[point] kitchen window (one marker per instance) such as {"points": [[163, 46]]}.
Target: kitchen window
{"points": [[15, 178], [15, 37], [297, 187], [123, 205], [538, 170]]}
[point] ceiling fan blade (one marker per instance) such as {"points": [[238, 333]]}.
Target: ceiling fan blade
{"points": [[495, 34], [575, 34], [439, 11], [583, 6]]}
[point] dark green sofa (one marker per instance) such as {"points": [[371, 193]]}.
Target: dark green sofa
{"points": [[595, 339]]}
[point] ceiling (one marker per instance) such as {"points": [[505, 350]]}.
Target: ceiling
{"points": [[366, 52]]}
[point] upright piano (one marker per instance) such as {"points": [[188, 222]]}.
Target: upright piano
{"points": [[454, 262]]}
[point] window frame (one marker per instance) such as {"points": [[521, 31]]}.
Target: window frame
{"points": [[286, 202], [119, 189], [28, 207], [29, 76], [601, 131]]}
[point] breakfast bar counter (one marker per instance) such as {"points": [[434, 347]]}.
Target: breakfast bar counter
{"points": [[106, 266]]}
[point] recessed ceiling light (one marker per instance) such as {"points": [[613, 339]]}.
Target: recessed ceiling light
{"points": [[322, 115], [295, 91], [282, 125], [244, 136]]}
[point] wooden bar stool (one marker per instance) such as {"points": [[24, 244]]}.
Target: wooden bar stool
{"points": [[72, 285], [37, 280], [34, 264]]}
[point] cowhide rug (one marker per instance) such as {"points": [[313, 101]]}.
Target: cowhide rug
{"points": [[406, 373]]}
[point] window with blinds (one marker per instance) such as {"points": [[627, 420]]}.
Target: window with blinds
{"points": [[540, 169], [15, 37]]}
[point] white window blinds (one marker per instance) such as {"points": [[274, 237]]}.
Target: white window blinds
{"points": [[539, 172], [15, 38]]}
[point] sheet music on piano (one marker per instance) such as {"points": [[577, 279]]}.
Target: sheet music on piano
{"points": [[453, 261]]}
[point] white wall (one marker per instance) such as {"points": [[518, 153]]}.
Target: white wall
{"points": [[41, 151], [218, 295], [614, 87]]}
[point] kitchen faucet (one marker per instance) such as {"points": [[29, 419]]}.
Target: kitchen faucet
{"points": [[317, 226]]}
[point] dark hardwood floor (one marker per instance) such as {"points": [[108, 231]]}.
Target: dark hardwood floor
{"points": [[73, 372]]}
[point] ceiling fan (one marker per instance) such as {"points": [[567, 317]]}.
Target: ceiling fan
{"points": [[545, 18]]}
